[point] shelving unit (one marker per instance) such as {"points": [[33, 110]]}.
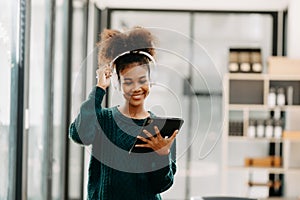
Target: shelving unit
{"points": [[246, 97]]}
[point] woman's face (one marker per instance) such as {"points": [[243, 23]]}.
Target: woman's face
{"points": [[134, 81]]}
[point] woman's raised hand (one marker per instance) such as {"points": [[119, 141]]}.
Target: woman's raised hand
{"points": [[159, 144], [103, 77]]}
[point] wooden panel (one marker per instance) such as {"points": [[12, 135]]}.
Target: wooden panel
{"points": [[283, 66]]}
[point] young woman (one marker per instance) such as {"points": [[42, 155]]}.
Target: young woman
{"points": [[113, 172]]}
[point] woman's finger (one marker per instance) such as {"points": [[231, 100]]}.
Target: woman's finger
{"points": [[104, 68], [142, 145], [100, 73], [174, 135], [157, 132], [143, 139], [108, 72], [150, 136]]}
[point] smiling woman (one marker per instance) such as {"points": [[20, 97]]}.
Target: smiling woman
{"points": [[113, 172]]}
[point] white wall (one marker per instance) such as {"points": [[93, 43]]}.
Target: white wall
{"points": [[293, 39]]}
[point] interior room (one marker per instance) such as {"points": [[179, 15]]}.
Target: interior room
{"points": [[230, 69]]}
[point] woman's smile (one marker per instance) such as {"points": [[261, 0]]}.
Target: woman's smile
{"points": [[137, 96]]}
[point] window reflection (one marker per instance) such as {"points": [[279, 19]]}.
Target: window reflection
{"points": [[58, 149]]}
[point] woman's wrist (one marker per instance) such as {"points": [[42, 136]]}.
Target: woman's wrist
{"points": [[163, 152], [101, 86]]}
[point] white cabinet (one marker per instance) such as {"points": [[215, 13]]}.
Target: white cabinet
{"points": [[259, 161]]}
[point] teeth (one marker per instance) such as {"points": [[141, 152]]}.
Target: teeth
{"points": [[136, 96]]}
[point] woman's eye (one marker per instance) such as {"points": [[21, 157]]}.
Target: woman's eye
{"points": [[143, 81], [127, 83]]}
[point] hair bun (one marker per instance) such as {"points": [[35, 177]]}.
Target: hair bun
{"points": [[114, 43], [108, 33], [141, 39]]}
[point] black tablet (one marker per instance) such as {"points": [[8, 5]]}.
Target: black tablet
{"points": [[166, 126]]}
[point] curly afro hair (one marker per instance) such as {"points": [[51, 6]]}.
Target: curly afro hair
{"points": [[114, 43]]}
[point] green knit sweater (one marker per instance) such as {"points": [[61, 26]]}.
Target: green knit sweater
{"points": [[114, 173]]}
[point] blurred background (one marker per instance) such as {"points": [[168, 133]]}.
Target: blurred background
{"points": [[48, 63]]}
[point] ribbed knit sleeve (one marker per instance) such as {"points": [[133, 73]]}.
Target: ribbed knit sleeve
{"points": [[163, 178], [86, 124]]}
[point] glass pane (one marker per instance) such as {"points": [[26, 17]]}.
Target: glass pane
{"points": [[58, 147], [5, 82], [36, 99], [78, 95]]}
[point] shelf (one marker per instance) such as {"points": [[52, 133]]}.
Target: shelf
{"points": [[284, 77], [248, 107], [261, 107], [286, 107], [246, 98], [246, 76], [248, 139], [275, 170], [252, 76], [256, 139], [292, 140], [293, 170]]}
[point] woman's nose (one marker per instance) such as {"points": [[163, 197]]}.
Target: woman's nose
{"points": [[136, 86]]}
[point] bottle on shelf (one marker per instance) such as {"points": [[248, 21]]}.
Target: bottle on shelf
{"points": [[233, 65], [251, 128], [260, 128], [244, 60], [277, 113], [278, 129], [280, 96], [269, 128], [256, 66], [272, 97], [290, 91]]}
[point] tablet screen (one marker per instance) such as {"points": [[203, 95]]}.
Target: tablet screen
{"points": [[166, 126]]}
